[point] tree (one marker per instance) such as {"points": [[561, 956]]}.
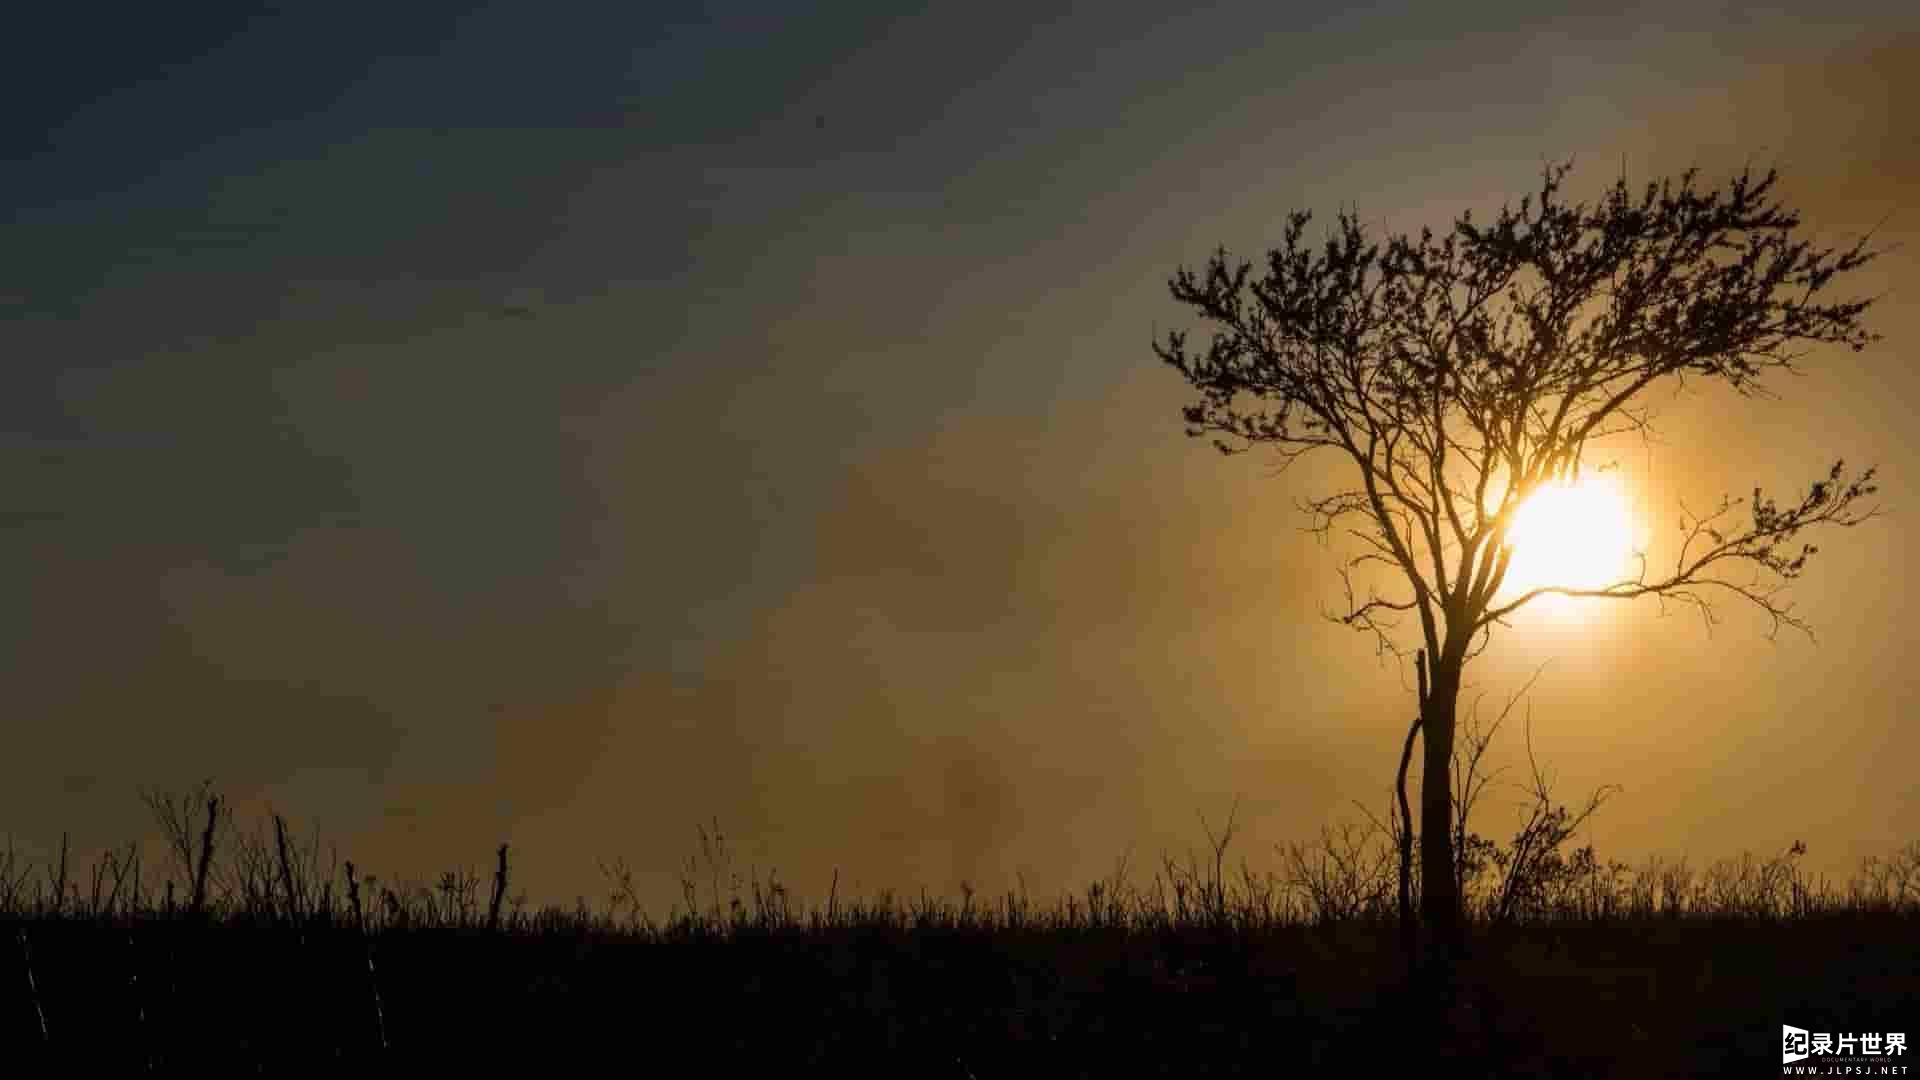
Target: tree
{"points": [[1457, 375]]}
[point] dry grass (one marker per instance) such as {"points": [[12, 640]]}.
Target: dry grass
{"points": [[1588, 968]]}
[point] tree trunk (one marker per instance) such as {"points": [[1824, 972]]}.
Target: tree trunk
{"points": [[1439, 892], [1409, 935]]}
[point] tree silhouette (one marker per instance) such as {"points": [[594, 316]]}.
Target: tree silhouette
{"points": [[1458, 374]]}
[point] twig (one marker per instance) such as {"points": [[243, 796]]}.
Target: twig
{"points": [[286, 868], [373, 982], [206, 856], [1409, 935], [60, 879], [353, 895], [366, 945], [499, 891], [33, 986]]}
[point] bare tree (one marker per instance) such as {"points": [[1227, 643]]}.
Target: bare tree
{"points": [[1458, 374], [1472, 854], [1533, 863]]}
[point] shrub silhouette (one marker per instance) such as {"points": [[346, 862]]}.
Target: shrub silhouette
{"points": [[1205, 966]]}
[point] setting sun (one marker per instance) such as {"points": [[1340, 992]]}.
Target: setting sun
{"points": [[1578, 535]]}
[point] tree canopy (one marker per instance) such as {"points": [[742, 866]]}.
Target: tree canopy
{"points": [[1461, 372], [1458, 374]]}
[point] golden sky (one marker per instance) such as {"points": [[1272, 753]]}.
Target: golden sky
{"points": [[832, 491]]}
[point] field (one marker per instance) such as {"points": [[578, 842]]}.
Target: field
{"points": [[1602, 970]]}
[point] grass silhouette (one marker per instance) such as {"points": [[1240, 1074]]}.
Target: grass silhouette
{"points": [[291, 964]]}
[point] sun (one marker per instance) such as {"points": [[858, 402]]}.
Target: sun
{"points": [[1578, 535]]}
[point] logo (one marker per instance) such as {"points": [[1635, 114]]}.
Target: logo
{"points": [[1795, 1043], [1860, 1049]]}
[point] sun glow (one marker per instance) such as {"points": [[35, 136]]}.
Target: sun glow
{"points": [[1580, 536]]}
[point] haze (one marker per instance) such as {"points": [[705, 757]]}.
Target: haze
{"points": [[564, 425]]}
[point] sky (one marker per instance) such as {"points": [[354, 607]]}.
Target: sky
{"points": [[574, 424]]}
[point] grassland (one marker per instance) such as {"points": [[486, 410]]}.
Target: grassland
{"points": [[247, 952]]}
